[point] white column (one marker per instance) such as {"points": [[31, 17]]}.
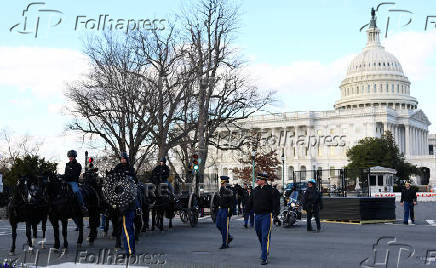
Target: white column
{"points": [[407, 139]]}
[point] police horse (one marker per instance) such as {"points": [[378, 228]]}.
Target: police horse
{"points": [[28, 204], [163, 205], [63, 206]]}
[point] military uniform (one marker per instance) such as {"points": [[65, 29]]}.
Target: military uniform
{"points": [[225, 212], [265, 205]]}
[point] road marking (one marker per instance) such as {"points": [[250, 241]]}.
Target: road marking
{"points": [[431, 222]]}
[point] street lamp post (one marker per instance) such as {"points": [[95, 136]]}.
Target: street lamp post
{"points": [[283, 169], [253, 156]]}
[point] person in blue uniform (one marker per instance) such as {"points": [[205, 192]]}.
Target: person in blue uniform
{"points": [[128, 212], [225, 211], [266, 206]]}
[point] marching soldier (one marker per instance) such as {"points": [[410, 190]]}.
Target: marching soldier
{"points": [[225, 211], [266, 206], [128, 228]]}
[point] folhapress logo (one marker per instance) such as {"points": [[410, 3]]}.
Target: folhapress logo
{"points": [[35, 16]]}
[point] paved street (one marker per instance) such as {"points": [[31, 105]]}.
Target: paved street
{"points": [[338, 245]]}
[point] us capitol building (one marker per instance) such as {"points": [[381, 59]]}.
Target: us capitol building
{"points": [[375, 97]]}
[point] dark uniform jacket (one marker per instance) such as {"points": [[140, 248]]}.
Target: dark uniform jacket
{"points": [[160, 174], [408, 195], [72, 171], [263, 200], [126, 169], [312, 199], [227, 198]]}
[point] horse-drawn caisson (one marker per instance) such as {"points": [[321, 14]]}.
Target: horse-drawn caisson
{"points": [[118, 195]]}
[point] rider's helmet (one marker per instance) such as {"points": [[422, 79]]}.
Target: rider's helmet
{"points": [[313, 181], [163, 160], [72, 153]]}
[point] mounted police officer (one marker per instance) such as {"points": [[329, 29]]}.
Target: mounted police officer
{"points": [[71, 176], [225, 211], [128, 212], [266, 206], [312, 203]]}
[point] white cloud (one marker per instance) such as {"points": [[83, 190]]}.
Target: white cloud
{"points": [[42, 70], [413, 50], [300, 76]]}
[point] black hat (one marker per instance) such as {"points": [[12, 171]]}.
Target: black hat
{"points": [[224, 179], [163, 159], [124, 155], [72, 153], [262, 176]]}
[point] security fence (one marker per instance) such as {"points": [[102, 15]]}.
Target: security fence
{"points": [[334, 182]]}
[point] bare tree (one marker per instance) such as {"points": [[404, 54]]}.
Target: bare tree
{"points": [[114, 102], [13, 146], [163, 56], [224, 94]]}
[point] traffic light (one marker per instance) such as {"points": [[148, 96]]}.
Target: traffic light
{"points": [[91, 162], [195, 162]]}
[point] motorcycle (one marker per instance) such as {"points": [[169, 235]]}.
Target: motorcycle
{"points": [[292, 211]]}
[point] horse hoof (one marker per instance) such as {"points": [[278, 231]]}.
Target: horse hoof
{"points": [[64, 250], [30, 249], [87, 239], [11, 253]]}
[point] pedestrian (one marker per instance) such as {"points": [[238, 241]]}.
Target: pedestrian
{"points": [[408, 200], [240, 197], [248, 213], [226, 206], [71, 176], [312, 203], [265, 206]]}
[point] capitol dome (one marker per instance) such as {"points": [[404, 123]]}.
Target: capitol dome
{"points": [[375, 78]]}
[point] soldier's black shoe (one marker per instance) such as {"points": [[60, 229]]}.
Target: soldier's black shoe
{"points": [[223, 247], [245, 225], [84, 210], [310, 230], [264, 262], [318, 230], [230, 239]]}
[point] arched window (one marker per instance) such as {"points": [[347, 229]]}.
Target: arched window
{"points": [[369, 89], [393, 88], [398, 88], [291, 173], [375, 88], [303, 173]]}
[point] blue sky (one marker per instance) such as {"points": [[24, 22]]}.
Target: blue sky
{"points": [[308, 43]]}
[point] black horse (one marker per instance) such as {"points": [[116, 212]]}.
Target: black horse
{"points": [[63, 206], [163, 205], [28, 204]]}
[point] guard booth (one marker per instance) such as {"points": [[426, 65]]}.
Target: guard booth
{"points": [[381, 179]]}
